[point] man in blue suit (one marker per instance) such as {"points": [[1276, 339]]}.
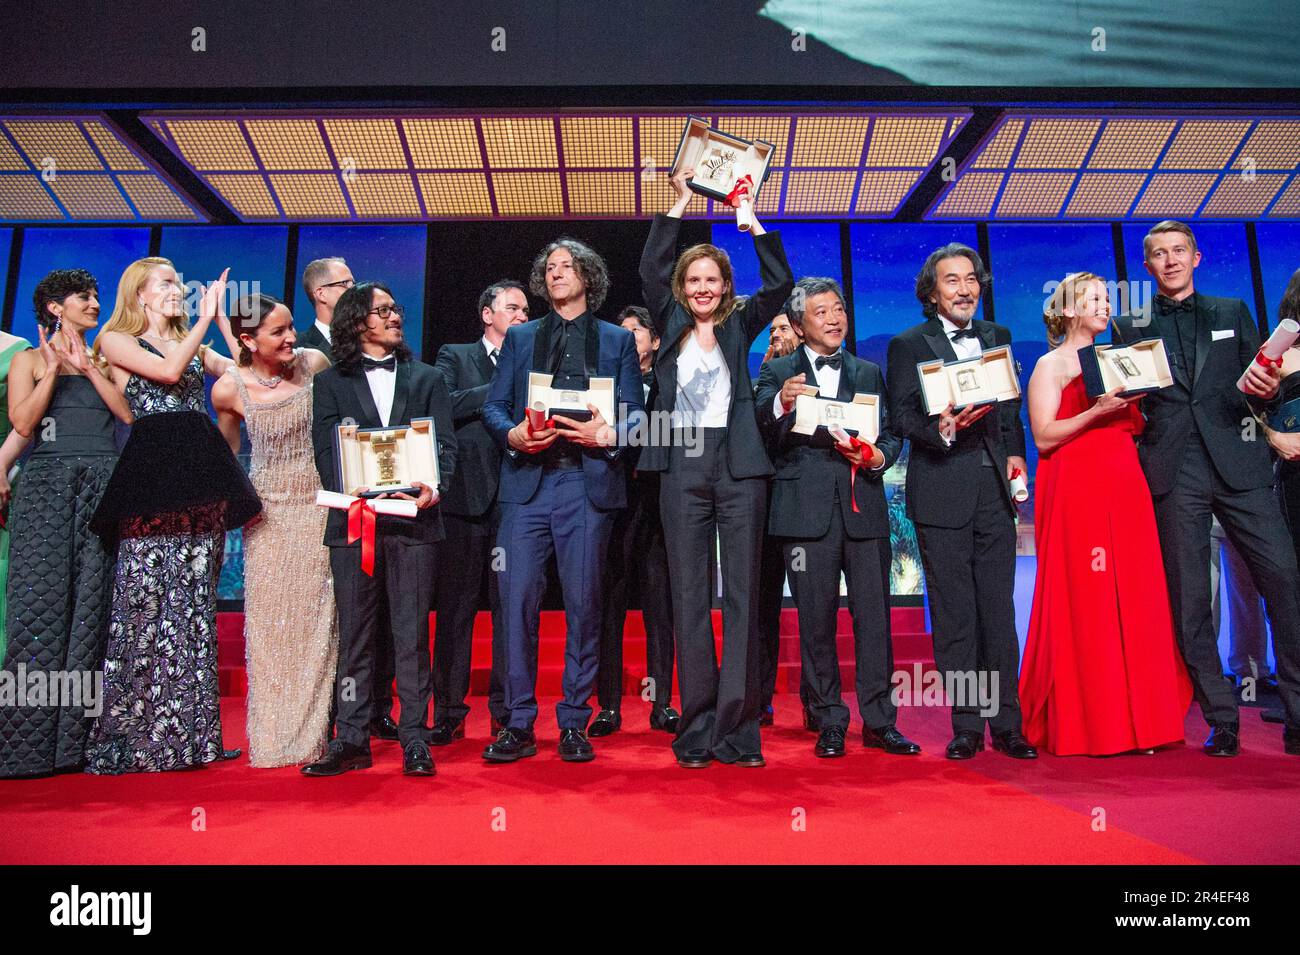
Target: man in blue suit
{"points": [[559, 489]]}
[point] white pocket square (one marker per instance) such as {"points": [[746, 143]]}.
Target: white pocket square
{"points": [[1218, 334]]}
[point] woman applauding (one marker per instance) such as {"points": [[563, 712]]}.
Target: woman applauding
{"points": [[290, 635], [176, 491], [60, 573], [1102, 673]]}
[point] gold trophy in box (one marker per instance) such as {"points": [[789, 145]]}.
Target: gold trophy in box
{"points": [[728, 169], [386, 460]]}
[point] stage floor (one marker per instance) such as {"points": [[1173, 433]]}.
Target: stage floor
{"points": [[634, 805]]}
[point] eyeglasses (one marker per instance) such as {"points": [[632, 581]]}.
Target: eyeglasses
{"points": [[386, 311], [342, 283]]}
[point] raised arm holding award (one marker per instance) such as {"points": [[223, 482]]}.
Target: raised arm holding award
{"points": [[728, 169]]}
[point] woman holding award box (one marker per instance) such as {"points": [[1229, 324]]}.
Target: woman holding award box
{"points": [[1101, 672], [719, 492]]}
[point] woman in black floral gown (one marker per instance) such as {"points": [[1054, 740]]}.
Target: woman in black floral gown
{"points": [[175, 493]]}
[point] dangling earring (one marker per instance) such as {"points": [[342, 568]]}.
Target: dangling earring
{"points": [[58, 323]]}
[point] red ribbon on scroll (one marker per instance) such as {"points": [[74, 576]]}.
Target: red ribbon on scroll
{"points": [[740, 191], [361, 525], [857, 444], [1267, 362]]}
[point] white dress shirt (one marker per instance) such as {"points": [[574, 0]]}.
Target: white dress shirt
{"points": [[324, 330], [967, 347], [383, 385], [827, 378]]}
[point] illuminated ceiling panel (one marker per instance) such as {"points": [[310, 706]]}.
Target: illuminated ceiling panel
{"points": [[580, 164], [82, 169], [1111, 165]]}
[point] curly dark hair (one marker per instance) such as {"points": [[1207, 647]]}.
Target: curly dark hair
{"points": [[350, 319], [56, 287], [928, 279], [587, 262]]}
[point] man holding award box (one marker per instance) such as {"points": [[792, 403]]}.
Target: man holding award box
{"points": [[561, 481], [1204, 455], [378, 394], [828, 508]]}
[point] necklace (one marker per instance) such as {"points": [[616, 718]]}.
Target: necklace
{"points": [[267, 382]]}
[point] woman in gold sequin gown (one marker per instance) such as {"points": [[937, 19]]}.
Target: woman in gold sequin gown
{"points": [[290, 633]]}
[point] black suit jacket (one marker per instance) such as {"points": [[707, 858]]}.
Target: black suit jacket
{"points": [[746, 454], [942, 480], [809, 474], [467, 371], [1204, 398], [312, 338], [419, 393]]}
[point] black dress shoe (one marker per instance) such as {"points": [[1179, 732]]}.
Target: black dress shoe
{"points": [[384, 728], [1223, 740], [445, 732], [751, 760], [695, 759], [830, 743], [766, 716], [810, 721], [417, 760], [1273, 716], [1291, 741], [606, 722], [338, 759], [890, 740], [575, 747], [512, 743], [1014, 745], [965, 745], [665, 718]]}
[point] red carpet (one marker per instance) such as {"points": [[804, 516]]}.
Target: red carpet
{"points": [[633, 804]]}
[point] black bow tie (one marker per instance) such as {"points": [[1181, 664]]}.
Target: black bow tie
{"points": [[833, 360], [1168, 306], [967, 332], [368, 363]]}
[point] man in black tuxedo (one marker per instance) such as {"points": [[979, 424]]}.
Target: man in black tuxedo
{"points": [[829, 511], [376, 384], [959, 498], [323, 281], [470, 516], [1203, 456]]}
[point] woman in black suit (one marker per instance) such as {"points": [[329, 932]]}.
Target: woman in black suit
{"points": [[715, 474]]}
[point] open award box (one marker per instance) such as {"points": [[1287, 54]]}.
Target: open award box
{"points": [[386, 460], [985, 379], [721, 162], [1138, 369], [859, 417], [545, 402]]}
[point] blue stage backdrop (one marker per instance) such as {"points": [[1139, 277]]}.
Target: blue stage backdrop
{"points": [[1279, 257]]}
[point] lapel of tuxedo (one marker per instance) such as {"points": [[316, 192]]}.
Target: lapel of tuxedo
{"points": [[369, 413], [401, 389], [985, 332], [803, 365], [848, 383], [483, 363], [1170, 335], [938, 341], [542, 342], [1205, 314]]}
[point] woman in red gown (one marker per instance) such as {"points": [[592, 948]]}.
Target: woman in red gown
{"points": [[1101, 672]]}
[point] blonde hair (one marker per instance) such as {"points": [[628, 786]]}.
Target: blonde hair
{"points": [[1074, 285], [128, 314]]}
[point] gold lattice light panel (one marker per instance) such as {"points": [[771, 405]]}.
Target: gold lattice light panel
{"points": [[81, 169], [580, 164], [1049, 166]]}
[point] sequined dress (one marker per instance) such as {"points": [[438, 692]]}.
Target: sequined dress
{"points": [[290, 630], [176, 491]]}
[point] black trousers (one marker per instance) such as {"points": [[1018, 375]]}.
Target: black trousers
{"points": [[771, 595], [703, 506], [385, 663], [405, 573], [970, 579], [1251, 520], [465, 577], [814, 567], [638, 571]]}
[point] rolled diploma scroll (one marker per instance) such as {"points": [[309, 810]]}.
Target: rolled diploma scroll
{"points": [[741, 198], [1019, 487], [1271, 352], [341, 502]]}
